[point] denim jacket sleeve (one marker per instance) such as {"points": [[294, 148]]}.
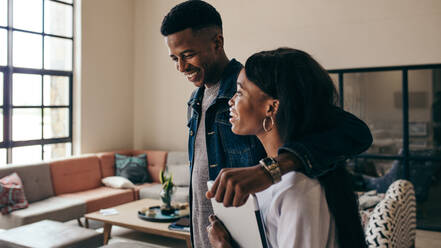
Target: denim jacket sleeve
{"points": [[320, 152]]}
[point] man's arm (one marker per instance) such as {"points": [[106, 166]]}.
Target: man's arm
{"points": [[313, 155], [319, 152]]}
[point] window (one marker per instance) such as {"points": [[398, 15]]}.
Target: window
{"points": [[402, 107], [36, 60]]}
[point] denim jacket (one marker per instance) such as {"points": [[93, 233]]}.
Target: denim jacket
{"points": [[319, 152]]}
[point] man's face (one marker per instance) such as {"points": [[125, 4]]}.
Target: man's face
{"points": [[195, 55]]}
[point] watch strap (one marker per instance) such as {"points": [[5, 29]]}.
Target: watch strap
{"points": [[272, 168]]}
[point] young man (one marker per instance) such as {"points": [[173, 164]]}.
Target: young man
{"points": [[193, 34]]}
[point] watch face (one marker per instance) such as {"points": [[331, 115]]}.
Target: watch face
{"points": [[268, 161]]}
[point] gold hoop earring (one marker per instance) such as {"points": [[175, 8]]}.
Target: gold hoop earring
{"points": [[264, 124]]}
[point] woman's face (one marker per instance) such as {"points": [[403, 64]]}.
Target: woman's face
{"points": [[247, 107]]}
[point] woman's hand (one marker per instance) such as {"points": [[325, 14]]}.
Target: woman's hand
{"points": [[217, 234]]}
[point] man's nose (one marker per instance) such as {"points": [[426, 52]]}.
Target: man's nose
{"points": [[181, 65]]}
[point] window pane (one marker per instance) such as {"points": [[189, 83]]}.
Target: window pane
{"points": [[26, 154], [1, 88], [1, 125], [67, 1], [27, 15], [375, 98], [27, 50], [26, 124], [3, 46], [3, 13], [56, 123], [58, 19], [334, 77], [54, 151], [57, 54], [56, 90], [3, 156], [424, 109], [26, 89]]}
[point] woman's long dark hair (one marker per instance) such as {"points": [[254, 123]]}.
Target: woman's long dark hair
{"points": [[307, 104]]}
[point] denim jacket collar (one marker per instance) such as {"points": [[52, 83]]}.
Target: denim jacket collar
{"points": [[228, 85]]}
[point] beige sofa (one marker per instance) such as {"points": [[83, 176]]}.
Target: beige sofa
{"points": [[66, 189]]}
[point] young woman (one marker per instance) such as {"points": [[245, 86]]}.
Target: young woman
{"points": [[283, 95]]}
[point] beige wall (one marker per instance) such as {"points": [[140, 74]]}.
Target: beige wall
{"points": [[104, 91], [340, 34]]}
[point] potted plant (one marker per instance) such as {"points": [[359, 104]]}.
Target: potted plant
{"points": [[166, 193]]}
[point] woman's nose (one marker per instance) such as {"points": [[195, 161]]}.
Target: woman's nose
{"points": [[231, 101]]}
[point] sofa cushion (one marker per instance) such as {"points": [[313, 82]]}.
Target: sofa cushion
{"points": [[102, 197], [49, 233], [177, 158], [181, 174], [152, 191], [138, 187], [36, 178], [133, 168], [53, 208], [12, 195], [75, 174], [179, 166], [155, 162], [107, 162], [117, 182]]}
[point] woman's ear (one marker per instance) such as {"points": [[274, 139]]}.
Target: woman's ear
{"points": [[273, 107]]}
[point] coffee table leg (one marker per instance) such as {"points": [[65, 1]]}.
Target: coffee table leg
{"points": [[106, 232], [188, 241]]}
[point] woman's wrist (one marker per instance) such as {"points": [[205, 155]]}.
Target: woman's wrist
{"points": [[289, 162]]}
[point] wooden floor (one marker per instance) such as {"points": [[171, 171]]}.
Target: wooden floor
{"points": [[428, 239]]}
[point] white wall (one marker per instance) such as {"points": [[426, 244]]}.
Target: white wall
{"points": [[340, 34], [104, 90]]}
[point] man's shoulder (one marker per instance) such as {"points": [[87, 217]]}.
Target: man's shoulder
{"points": [[229, 79]]}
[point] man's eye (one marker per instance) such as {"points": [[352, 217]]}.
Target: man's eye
{"points": [[175, 59], [187, 56]]}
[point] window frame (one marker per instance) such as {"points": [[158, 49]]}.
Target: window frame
{"points": [[406, 156], [8, 72]]}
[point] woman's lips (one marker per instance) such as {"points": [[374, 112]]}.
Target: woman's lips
{"points": [[233, 116]]}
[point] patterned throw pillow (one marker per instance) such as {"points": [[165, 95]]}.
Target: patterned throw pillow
{"points": [[12, 195], [132, 168]]}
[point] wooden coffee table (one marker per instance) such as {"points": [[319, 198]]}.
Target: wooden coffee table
{"points": [[128, 217]]}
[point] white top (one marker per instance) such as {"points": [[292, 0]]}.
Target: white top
{"points": [[296, 214]]}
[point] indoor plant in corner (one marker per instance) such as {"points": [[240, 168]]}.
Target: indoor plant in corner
{"points": [[166, 193]]}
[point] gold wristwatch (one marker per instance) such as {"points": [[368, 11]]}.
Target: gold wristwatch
{"points": [[272, 168]]}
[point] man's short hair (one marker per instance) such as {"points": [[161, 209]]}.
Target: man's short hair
{"points": [[194, 14]]}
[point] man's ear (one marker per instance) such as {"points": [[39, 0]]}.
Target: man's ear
{"points": [[218, 41]]}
